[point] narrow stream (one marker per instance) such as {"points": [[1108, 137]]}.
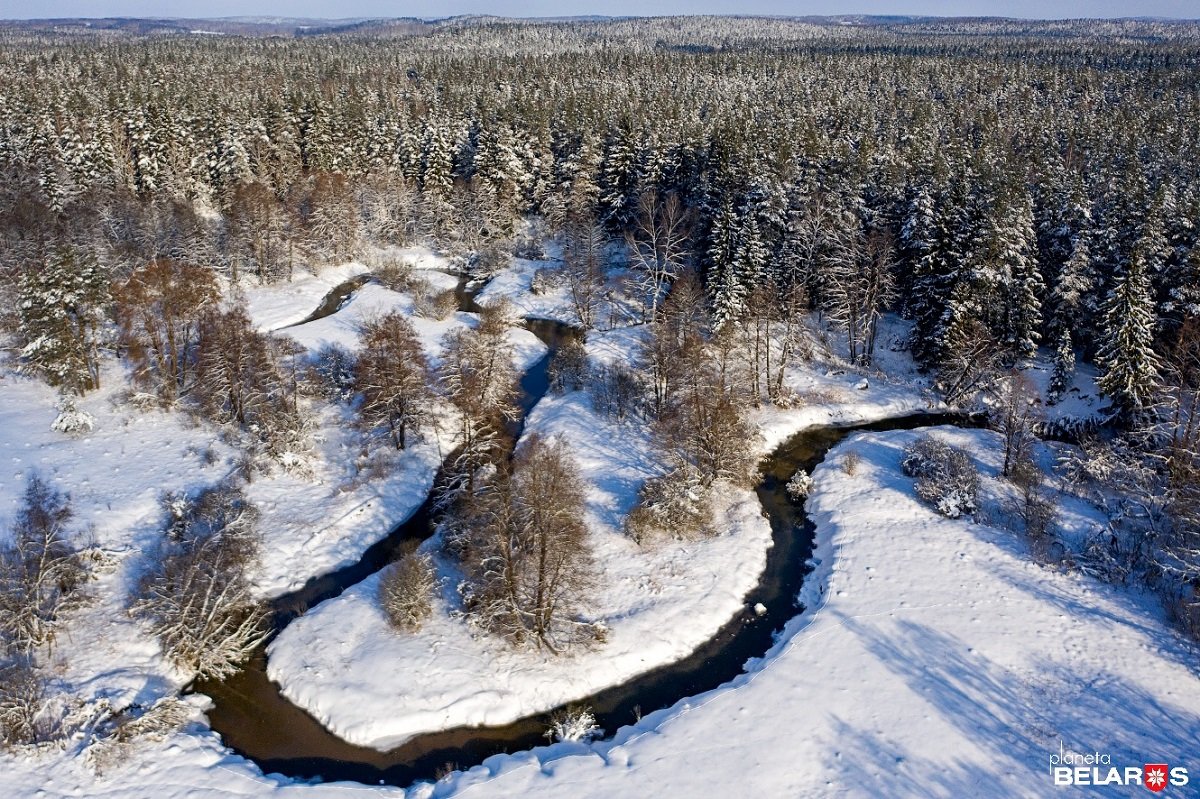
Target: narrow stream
{"points": [[256, 721]]}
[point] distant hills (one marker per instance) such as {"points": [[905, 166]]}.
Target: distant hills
{"points": [[298, 27]]}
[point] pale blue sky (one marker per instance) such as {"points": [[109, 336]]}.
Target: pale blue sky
{"points": [[441, 8]]}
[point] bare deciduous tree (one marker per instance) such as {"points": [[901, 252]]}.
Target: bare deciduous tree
{"points": [[583, 267], [658, 244], [239, 381], [259, 233], [859, 285], [41, 570], [703, 422], [478, 376], [406, 591], [392, 376], [527, 554], [1016, 419], [159, 307], [971, 363], [195, 597]]}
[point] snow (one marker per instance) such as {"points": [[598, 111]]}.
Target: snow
{"points": [[375, 687], [373, 300], [613, 307], [315, 523], [417, 256], [277, 305], [114, 474], [935, 657]]}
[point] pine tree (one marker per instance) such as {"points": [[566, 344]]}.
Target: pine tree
{"points": [[619, 177], [938, 276], [1023, 285], [1073, 290]]}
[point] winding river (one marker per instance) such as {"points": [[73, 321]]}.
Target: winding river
{"points": [[255, 720]]}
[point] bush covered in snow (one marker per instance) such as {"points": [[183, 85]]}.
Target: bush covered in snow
{"points": [[800, 484], [569, 369], [545, 280], [573, 724], [71, 420], [331, 373], [946, 476], [676, 505], [21, 699], [406, 591], [119, 731], [431, 302]]}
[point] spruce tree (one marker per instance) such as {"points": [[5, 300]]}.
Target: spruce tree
{"points": [[1129, 366], [61, 308]]}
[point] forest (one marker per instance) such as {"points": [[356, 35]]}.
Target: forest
{"points": [[1009, 191]]}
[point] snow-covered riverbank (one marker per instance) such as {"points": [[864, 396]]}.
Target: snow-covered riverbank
{"points": [[376, 687], [935, 659]]}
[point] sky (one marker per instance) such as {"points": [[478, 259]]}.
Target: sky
{"points": [[1036, 9]]}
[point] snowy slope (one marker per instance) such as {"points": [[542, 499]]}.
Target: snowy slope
{"points": [[935, 660]]}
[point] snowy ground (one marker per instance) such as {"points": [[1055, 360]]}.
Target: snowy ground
{"points": [[376, 687], [312, 521], [614, 306], [935, 659], [281, 304], [114, 476]]}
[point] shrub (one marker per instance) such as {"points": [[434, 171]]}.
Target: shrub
{"points": [[800, 484], [676, 504], [545, 280], [529, 248], [525, 551], [21, 700], [946, 476], [394, 275], [406, 591], [122, 730], [616, 390], [40, 570], [569, 369], [573, 724], [71, 420], [432, 302], [332, 372]]}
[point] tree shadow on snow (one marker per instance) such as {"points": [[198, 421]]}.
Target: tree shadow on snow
{"points": [[1016, 718]]}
